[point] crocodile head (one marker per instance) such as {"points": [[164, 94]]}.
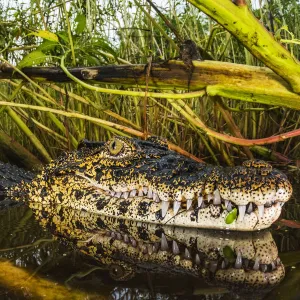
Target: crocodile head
{"points": [[145, 181]]}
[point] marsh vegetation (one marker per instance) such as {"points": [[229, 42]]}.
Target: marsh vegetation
{"points": [[94, 33]]}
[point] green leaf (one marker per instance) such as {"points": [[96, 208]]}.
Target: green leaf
{"points": [[103, 45], [294, 41], [64, 36], [229, 254], [92, 60], [46, 46], [81, 23], [33, 58], [47, 35], [231, 217]]}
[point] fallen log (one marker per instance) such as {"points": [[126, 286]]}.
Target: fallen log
{"points": [[235, 81]]}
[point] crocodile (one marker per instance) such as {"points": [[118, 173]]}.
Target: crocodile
{"points": [[142, 180]]}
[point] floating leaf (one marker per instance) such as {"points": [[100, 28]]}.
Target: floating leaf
{"points": [[229, 254], [44, 34], [231, 217], [33, 58], [81, 22]]}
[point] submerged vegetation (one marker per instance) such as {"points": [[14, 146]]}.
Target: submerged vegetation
{"points": [[55, 117]]}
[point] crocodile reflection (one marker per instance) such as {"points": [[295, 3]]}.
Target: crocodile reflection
{"points": [[125, 248]]}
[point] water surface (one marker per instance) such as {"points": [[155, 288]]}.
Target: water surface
{"points": [[34, 265]]}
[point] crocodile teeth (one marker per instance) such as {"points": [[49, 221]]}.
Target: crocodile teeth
{"points": [[118, 194], [200, 200], [141, 194], [164, 243], [112, 193], [223, 265], [119, 236], [176, 206], [250, 208], [145, 190], [213, 266], [150, 193], [217, 197], [156, 247], [278, 261], [156, 198], [175, 248], [256, 264], [273, 266], [187, 254], [210, 197], [125, 195], [133, 193], [264, 268], [197, 259], [150, 249], [226, 203], [238, 261], [144, 249], [261, 210], [242, 211], [126, 239], [164, 208], [133, 242], [189, 204], [229, 206]]}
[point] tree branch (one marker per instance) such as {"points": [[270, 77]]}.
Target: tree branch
{"points": [[241, 23], [241, 82]]}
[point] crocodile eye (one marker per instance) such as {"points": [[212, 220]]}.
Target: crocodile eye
{"points": [[116, 271], [115, 147]]}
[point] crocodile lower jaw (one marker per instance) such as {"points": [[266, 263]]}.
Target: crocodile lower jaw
{"points": [[145, 210]]}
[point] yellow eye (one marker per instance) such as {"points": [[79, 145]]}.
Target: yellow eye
{"points": [[115, 147]]}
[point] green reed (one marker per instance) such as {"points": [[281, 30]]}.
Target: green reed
{"points": [[124, 32]]}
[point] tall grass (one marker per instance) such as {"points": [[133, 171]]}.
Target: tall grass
{"points": [[118, 32]]}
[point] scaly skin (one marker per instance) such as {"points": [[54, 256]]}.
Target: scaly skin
{"points": [[144, 181], [240, 259]]}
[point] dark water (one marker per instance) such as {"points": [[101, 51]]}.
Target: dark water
{"points": [[56, 270]]}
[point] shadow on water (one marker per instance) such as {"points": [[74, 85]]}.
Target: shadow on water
{"points": [[140, 261]]}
